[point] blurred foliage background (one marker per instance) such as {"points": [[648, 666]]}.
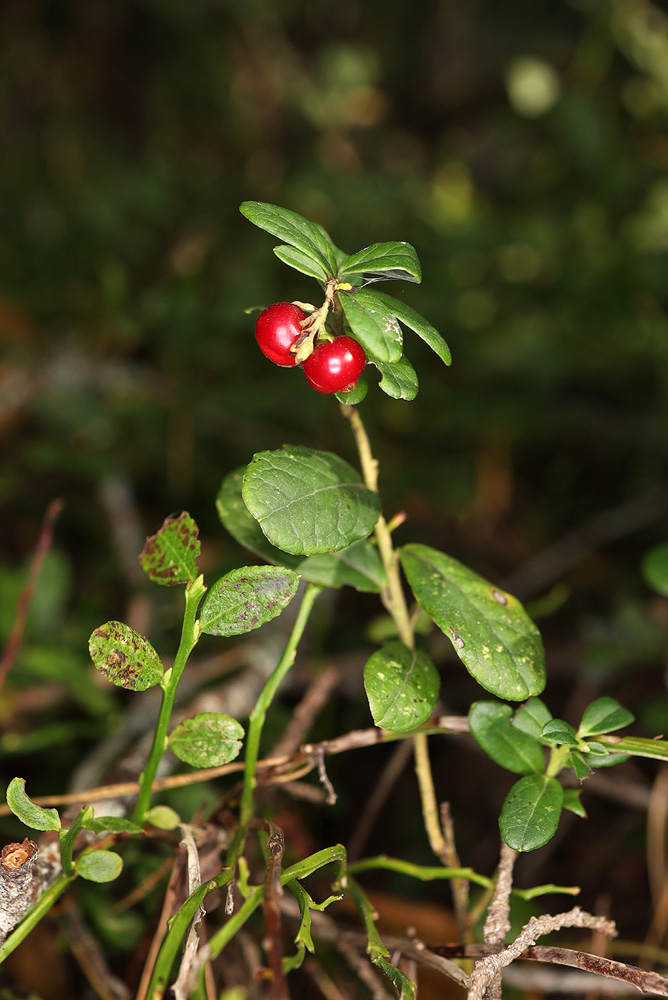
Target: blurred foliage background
{"points": [[520, 147]]}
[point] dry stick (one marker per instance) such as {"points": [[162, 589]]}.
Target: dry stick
{"points": [[272, 910], [43, 545], [395, 602], [497, 923]]}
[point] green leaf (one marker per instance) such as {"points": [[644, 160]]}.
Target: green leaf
{"points": [[99, 866], [490, 726], [170, 556], [531, 717], [357, 566], [208, 739], [579, 765], [296, 231], [399, 379], [246, 598], [654, 568], [558, 731], [162, 817], [373, 324], [301, 261], [489, 629], [24, 809], [384, 261], [398, 978], [418, 324], [308, 502], [604, 716], [402, 686], [125, 657], [572, 802], [530, 814], [112, 824]]}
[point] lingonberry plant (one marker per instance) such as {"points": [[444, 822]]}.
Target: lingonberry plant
{"points": [[317, 523]]}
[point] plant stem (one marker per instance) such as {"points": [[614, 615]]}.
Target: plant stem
{"points": [[190, 633], [395, 602], [256, 722]]}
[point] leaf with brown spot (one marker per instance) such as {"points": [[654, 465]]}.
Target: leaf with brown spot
{"points": [[246, 598], [125, 657], [208, 739], [170, 556]]}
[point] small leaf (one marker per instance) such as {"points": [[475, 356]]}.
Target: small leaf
{"points": [[579, 765], [170, 556], [246, 598], [301, 261], [398, 978], [399, 379], [558, 731], [112, 824], [654, 568], [24, 809], [572, 802], [604, 716], [531, 717], [295, 230], [402, 686], [357, 566], [530, 813], [125, 657], [308, 502], [373, 324], [99, 866], [208, 739], [162, 817], [489, 629], [490, 726], [383, 261], [418, 324]]}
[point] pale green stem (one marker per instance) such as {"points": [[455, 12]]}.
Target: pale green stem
{"points": [[395, 602], [190, 633], [256, 722]]}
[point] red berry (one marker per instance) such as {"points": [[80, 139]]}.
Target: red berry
{"points": [[335, 365], [276, 330]]}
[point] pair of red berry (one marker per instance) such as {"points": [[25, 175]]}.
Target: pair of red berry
{"points": [[334, 366]]}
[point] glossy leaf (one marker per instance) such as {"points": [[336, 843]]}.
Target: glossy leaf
{"points": [[170, 556], [399, 379], [419, 325], [382, 261], [579, 765], [604, 716], [531, 717], [373, 324], [530, 813], [558, 731], [246, 598], [489, 629], [125, 657], [402, 686], [308, 502], [208, 739], [295, 230], [99, 866], [30, 814], [301, 261], [654, 568], [572, 802], [490, 726], [357, 566]]}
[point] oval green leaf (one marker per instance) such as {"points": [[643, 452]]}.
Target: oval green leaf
{"points": [[295, 230], [301, 261], [170, 556], [531, 717], [489, 629], [384, 261], [419, 325], [125, 657], [308, 502], [246, 598], [373, 324], [25, 809], [604, 716], [208, 739], [402, 686], [99, 866], [399, 379], [558, 731], [511, 748], [530, 814], [357, 566], [162, 817]]}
